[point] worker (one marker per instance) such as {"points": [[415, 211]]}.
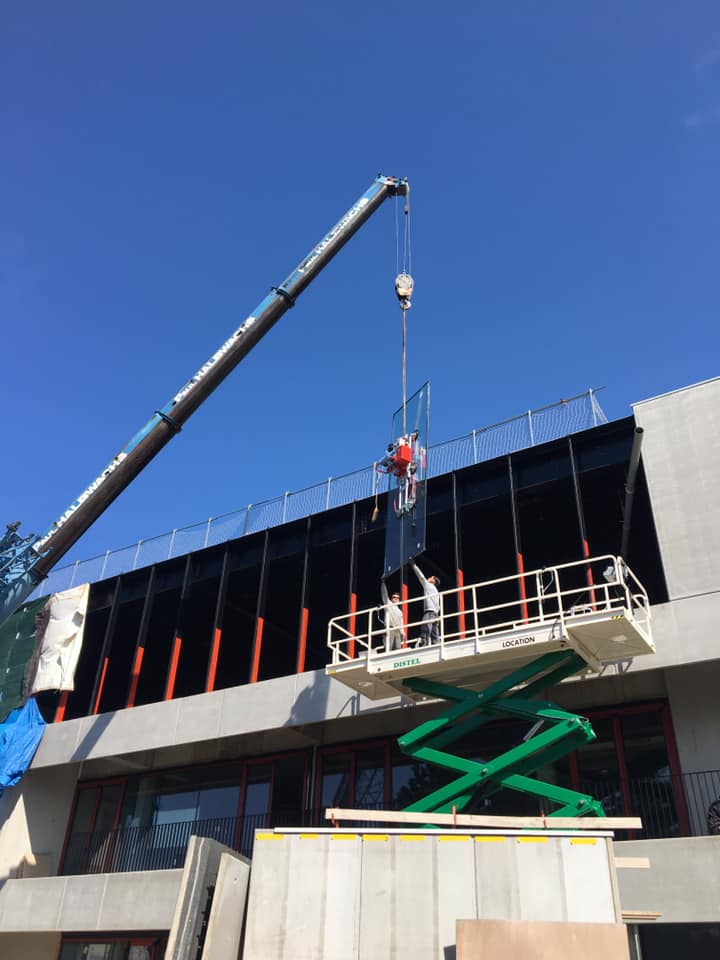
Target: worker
{"points": [[430, 630], [394, 621]]}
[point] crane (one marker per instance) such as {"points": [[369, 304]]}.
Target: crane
{"points": [[26, 560]]}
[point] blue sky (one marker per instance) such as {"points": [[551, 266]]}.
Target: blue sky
{"points": [[164, 164]]}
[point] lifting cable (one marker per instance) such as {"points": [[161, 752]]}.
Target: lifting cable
{"points": [[404, 291]]}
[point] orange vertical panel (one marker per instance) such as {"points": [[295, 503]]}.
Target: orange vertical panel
{"points": [[61, 707], [137, 666], [523, 591], [174, 660], [303, 640], [214, 654], [353, 608], [96, 706], [256, 651], [461, 601], [589, 573]]}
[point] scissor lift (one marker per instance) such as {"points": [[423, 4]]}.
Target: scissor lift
{"points": [[493, 656]]}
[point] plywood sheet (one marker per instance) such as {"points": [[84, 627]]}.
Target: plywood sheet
{"points": [[535, 940]]}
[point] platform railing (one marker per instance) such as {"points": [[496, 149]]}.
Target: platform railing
{"points": [[547, 597]]}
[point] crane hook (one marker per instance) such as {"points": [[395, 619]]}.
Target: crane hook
{"points": [[404, 290]]}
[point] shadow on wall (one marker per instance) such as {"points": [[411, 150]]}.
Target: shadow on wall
{"points": [[312, 703]]}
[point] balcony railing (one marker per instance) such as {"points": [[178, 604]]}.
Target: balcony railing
{"points": [[669, 806]]}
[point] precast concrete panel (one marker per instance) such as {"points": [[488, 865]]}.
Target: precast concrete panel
{"points": [[496, 858], [342, 915], [268, 896], [455, 886], [377, 898], [540, 878], [389, 896], [307, 898], [590, 896], [415, 920]]}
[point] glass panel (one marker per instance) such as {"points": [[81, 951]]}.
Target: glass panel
{"points": [[119, 950], [257, 792], [84, 810], [650, 785], [288, 789], [218, 802], [598, 769], [175, 807], [335, 780], [370, 779], [405, 528], [100, 848]]}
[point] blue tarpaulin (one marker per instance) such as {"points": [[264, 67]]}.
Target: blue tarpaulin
{"points": [[19, 738]]}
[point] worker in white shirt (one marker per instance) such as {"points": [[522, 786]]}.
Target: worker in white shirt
{"points": [[394, 621], [430, 629]]}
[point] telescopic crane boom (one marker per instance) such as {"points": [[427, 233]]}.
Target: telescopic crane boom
{"points": [[24, 562]]}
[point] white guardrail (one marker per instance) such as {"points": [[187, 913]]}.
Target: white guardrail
{"points": [[551, 596]]}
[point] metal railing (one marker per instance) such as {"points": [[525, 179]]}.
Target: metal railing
{"points": [[529, 429], [670, 806], [163, 846], [551, 597]]}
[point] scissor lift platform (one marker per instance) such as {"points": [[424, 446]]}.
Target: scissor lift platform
{"points": [[595, 607]]}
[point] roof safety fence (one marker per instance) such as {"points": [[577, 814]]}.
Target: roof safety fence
{"points": [[557, 420]]}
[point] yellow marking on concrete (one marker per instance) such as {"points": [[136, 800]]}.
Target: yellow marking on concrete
{"points": [[490, 839], [532, 839], [587, 841], [375, 836], [451, 837], [268, 836], [344, 836], [308, 836]]}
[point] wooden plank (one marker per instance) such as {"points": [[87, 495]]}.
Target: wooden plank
{"points": [[632, 863], [492, 823], [630, 915]]}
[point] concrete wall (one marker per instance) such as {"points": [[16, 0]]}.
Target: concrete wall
{"points": [[694, 693], [34, 817], [105, 902], [266, 716], [682, 884], [681, 453]]}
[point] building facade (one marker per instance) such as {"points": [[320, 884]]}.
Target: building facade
{"points": [[201, 707]]}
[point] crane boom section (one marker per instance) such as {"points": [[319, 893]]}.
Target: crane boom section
{"points": [[45, 552]]}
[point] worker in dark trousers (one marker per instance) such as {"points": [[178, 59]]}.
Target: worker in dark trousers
{"points": [[430, 630]]}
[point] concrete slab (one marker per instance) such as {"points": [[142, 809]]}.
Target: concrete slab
{"points": [[224, 928], [31, 905], [81, 902], [198, 718]]}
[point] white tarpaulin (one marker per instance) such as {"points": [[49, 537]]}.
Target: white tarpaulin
{"points": [[62, 639]]}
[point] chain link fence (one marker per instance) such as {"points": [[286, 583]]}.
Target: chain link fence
{"points": [[534, 427]]}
